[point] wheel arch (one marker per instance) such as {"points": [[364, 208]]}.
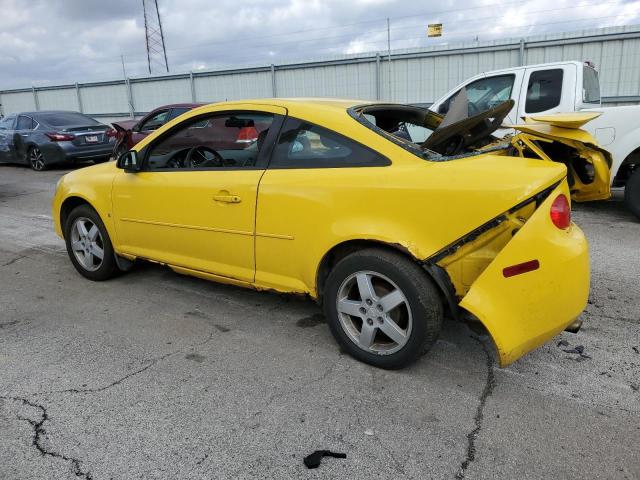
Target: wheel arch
{"points": [[630, 163], [67, 207], [339, 251]]}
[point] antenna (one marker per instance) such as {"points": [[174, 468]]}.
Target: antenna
{"points": [[156, 51]]}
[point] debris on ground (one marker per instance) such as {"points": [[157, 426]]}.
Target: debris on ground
{"points": [[578, 349], [313, 460]]}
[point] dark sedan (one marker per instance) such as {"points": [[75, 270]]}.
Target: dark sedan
{"points": [[44, 138], [131, 132]]}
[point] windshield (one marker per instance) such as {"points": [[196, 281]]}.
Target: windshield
{"points": [[590, 85]]}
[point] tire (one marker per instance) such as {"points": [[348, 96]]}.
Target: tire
{"points": [[632, 193], [84, 244], [362, 323], [36, 159]]}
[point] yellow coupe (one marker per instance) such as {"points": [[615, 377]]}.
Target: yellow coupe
{"points": [[388, 215]]}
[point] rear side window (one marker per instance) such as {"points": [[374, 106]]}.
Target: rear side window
{"points": [[68, 119], [156, 121], [306, 145], [590, 85], [24, 123], [544, 90]]}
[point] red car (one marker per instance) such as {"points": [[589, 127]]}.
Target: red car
{"points": [[130, 132]]}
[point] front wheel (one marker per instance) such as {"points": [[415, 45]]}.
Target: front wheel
{"points": [[88, 244], [382, 308], [632, 193], [36, 159]]}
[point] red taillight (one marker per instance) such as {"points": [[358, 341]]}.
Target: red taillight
{"points": [[247, 135], [561, 212], [60, 137], [520, 268], [111, 133]]}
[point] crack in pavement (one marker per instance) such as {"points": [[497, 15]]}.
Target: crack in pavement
{"points": [[479, 416], [13, 260], [39, 432], [128, 375]]}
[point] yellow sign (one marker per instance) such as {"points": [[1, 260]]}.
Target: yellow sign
{"points": [[435, 30]]}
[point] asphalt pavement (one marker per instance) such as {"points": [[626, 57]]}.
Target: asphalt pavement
{"points": [[159, 376]]}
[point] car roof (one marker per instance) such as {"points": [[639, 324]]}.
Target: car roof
{"points": [[313, 103], [179, 105]]}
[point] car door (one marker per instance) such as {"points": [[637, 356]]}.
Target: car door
{"points": [[6, 138], [548, 90], [193, 204], [21, 135]]}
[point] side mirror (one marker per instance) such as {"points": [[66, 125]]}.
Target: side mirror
{"points": [[443, 108], [129, 162]]}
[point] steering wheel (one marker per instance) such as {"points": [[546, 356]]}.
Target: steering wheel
{"points": [[196, 157]]}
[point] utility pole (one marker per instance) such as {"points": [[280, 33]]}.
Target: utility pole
{"points": [[154, 36], [389, 54]]}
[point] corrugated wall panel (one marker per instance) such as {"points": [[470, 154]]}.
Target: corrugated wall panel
{"points": [[150, 95], [104, 99], [417, 75], [235, 86], [59, 99], [17, 102]]}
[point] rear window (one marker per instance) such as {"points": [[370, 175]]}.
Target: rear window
{"points": [[63, 119], [590, 85]]}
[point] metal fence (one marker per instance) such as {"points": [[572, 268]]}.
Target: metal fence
{"points": [[413, 75]]}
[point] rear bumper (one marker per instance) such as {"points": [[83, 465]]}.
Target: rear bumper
{"points": [[524, 311], [61, 152]]}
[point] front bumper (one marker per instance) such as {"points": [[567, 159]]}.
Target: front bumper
{"points": [[524, 311]]}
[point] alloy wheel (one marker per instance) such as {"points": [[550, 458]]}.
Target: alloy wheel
{"points": [[374, 312], [36, 159], [87, 244]]}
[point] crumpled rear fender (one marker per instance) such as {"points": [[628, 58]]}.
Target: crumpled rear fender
{"points": [[522, 312]]}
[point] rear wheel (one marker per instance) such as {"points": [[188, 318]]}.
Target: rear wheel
{"points": [[382, 308], [88, 244], [36, 159], [632, 193]]}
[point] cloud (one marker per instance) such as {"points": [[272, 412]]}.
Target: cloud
{"points": [[83, 40]]}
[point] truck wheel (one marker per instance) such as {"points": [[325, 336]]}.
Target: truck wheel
{"points": [[632, 193], [382, 308]]}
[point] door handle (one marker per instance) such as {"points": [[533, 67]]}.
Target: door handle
{"points": [[227, 198]]}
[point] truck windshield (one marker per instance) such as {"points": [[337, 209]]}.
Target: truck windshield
{"points": [[590, 85]]}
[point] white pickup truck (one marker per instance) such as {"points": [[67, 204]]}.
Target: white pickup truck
{"points": [[562, 87]]}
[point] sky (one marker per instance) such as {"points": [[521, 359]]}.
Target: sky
{"points": [[51, 42]]}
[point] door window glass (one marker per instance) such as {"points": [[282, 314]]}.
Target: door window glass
{"points": [[231, 140], [176, 112], [544, 90], [590, 85], [155, 121], [305, 145], [7, 123], [24, 123], [484, 94]]}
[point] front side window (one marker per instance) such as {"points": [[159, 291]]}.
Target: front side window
{"points": [[176, 112], [7, 122], [155, 121], [305, 145], [484, 94], [230, 140], [24, 123], [544, 90]]}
